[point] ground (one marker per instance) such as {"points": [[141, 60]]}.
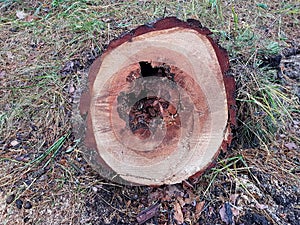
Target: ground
{"points": [[46, 49]]}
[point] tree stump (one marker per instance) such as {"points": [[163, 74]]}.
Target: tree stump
{"points": [[159, 106]]}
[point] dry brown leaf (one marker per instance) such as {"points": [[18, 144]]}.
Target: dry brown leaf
{"points": [[199, 208], [191, 198], [173, 191], [233, 198], [181, 201], [31, 18], [154, 196], [187, 185], [128, 203], [189, 201], [178, 215], [235, 211], [223, 214]]}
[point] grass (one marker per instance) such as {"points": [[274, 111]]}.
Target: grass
{"points": [[36, 101], [53, 149], [36, 167], [270, 105], [231, 166], [264, 102]]}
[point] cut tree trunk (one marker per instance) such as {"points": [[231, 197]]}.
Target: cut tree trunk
{"points": [[159, 106]]}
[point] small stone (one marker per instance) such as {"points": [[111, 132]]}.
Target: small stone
{"points": [[14, 29], [10, 199], [71, 89], [282, 135], [19, 203], [14, 143], [2, 74], [291, 145], [135, 197], [26, 219], [27, 205], [296, 122]]}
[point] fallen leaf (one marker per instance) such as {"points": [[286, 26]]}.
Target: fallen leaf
{"points": [[233, 198], [291, 145], [172, 191], [31, 18], [223, 214], [155, 195], [226, 213], [235, 211], [190, 198], [199, 208], [181, 201], [189, 201], [128, 203], [21, 15], [187, 184], [178, 215]]}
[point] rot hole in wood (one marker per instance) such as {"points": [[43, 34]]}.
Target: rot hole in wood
{"points": [[159, 71], [148, 113]]}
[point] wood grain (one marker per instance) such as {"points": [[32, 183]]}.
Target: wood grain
{"points": [[186, 103]]}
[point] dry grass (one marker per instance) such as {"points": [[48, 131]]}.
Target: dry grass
{"points": [[44, 57]]}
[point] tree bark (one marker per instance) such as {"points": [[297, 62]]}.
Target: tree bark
{"points": [[159, 106]]}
